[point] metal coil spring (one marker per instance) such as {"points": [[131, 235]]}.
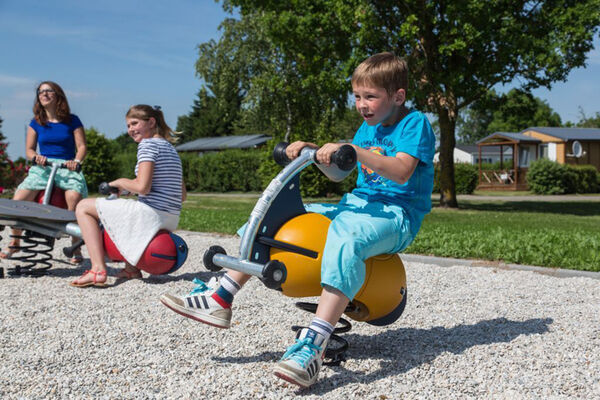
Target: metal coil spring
{"points": [[37, 249]]}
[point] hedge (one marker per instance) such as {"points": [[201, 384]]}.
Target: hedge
{"points": [[549, 177], [466, 177]]}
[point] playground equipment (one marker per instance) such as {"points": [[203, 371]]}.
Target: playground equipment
{"points": [[43, 223], [282, 245]]}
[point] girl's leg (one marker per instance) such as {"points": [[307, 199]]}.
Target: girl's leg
{"points": [[87, 218], [22, 195]]}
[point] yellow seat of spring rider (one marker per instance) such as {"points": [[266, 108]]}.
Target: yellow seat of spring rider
{"points": [[385, 278]]}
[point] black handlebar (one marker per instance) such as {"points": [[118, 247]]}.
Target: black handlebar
{"points": [[344, 157], [106, 189], [63, 165]]}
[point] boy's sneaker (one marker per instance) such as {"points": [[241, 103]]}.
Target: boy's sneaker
{"points": [[199, 305], [302, 361]]}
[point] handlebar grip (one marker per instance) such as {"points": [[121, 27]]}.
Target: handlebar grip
{"points": [[106, 189], [279, 154], [344, 158], [63, 165]]}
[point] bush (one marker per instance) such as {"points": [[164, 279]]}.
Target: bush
{"points": [[99, 165], [549, 177], [586, 178], [465, 178], [229, 170]]}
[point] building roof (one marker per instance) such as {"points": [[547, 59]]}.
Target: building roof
{"points": [[513, 137], [488, 150], [568, 133], [224, 142]]}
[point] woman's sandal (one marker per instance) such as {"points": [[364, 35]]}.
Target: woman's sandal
{"points": [[76, 259], [94, 282], [128, 274]]}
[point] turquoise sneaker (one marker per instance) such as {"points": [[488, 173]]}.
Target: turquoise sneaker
{"points": [[302, 361]]}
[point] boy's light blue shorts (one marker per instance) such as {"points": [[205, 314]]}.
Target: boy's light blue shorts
{"points": [[37, 178], [358, 230]]}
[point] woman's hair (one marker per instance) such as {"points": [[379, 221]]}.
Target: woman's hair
{"points": [[63, 112], [383, 70], [145, 112]]}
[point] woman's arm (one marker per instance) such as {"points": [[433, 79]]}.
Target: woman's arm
{"points": [[142, 182], [31, 147], [81, 148]]}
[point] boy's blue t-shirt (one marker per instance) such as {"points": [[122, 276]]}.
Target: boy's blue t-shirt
{"points": [[412, 135], [56, 139]]}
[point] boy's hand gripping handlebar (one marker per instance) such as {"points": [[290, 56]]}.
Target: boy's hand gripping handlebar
{"points": [[343, 160]]}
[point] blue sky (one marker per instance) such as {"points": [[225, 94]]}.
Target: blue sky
{"points": [[110, 54]]}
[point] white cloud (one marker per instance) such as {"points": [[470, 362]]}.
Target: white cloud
{"points": [[16, 81]]}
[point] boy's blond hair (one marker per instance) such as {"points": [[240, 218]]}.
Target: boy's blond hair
{"points": [[384, 70]]}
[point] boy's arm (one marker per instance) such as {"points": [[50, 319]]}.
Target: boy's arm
{"points": [[398, 169]]}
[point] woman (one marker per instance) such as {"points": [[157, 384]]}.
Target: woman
{"points": [[131, 224], [61, 138]]}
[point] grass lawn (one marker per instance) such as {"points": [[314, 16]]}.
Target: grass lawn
{"points": [[551, 234]]}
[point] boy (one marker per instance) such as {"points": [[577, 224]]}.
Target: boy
{"points": [[383, 214]]}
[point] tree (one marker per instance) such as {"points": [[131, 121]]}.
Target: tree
{"points": [[473, 124], [510, 112], [456, 51], [588, 122], [518, 110], [99, 165]]}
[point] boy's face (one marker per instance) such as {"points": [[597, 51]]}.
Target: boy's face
{"points": [[376, 106]]}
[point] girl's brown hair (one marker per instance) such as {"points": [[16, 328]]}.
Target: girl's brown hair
{"points": [[145, 112], [384, 70], [63, 112]]}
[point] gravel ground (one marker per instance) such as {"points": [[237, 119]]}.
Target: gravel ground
{"points": [[466, 333]]}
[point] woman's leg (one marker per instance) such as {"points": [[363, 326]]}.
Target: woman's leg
{"points": [[87, 218], [22, 195], [73, 197]]}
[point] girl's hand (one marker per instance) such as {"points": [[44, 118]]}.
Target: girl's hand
{"points": [[324, 153], [116, 183], [293, 150]]}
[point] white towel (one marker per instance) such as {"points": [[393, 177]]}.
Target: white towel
{"points": [[131, 225]]}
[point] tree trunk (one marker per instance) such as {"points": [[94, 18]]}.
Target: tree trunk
{"points": [[447, 143]]}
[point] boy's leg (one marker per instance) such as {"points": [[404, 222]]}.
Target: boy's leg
{"points": [[302, 361], [211, 306], [355, 234]]}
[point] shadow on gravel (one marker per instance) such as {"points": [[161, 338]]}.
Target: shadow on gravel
{"points": [[403, 349]]}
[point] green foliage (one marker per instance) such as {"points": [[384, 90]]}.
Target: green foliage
{"points": [[588, 122], [518, 110], [99, 165], [229, 170], [586, 178], [549, 234], [465, 175], [549, 177], [509, 112]]}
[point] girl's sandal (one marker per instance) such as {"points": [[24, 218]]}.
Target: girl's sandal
{"points": [[76, 259], [94, 282]]}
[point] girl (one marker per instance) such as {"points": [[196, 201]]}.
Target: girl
{"points": [[61, 138], [132, 224]]}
